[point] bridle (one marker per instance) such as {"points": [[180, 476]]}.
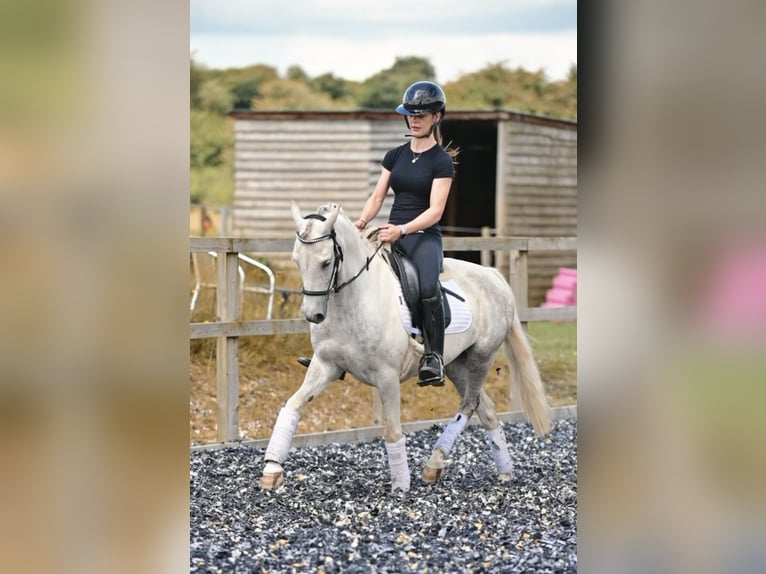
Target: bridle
{"points": [[333, 286]]}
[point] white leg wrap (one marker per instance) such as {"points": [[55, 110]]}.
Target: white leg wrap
{"points": [[499, 449], [397, 463], [282, 435], [450, 433]]}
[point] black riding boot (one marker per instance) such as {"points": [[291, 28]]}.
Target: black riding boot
{"points": [[431, 370], [306, 361]]}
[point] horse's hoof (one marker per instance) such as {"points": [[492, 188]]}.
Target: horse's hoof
{"points": [[431, 475], [400, 493], [504, 477], [271, 481]]}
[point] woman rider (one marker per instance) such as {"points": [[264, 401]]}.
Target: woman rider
{"points": [[420, 173]]}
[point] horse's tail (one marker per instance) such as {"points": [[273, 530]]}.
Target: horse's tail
{"points": [[525, 378]]}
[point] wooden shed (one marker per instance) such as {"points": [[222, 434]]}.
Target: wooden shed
{"points": [[517, 173]]}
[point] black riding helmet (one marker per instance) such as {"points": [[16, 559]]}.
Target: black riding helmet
{"points": [[423, 98]]}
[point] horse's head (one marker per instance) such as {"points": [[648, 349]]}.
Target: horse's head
{"points": [[317, 257]]}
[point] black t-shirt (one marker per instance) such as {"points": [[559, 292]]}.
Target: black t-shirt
{"points": [[412, 182]]}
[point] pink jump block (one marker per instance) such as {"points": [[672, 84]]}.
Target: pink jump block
{"points": [[567, 282], [560, 296], [564, 291]]}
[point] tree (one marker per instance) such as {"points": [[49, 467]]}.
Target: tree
{"points": [[244, 91], [291, 95], [215, 97], [210, 137], [211, 158], [297, 73], [196, 77], [242, 83], [498, 87], [336, 88], [384, 89]]}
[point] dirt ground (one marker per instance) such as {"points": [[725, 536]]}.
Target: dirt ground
{"points": [[345, 404]]}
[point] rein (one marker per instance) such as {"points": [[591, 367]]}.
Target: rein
{"points": [[333, 286]]}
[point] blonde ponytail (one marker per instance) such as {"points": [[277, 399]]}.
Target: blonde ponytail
{"points": [[451, 151]]}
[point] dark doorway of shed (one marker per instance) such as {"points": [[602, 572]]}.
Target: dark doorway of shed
{"points": [[471, 203]]}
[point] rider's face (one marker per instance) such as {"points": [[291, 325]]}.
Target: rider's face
{"points": [[420, 124]]}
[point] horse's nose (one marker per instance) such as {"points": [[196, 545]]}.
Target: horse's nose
{"points": [[316, 318]]}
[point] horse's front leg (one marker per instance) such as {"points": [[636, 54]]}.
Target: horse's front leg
{"points": [[396, 445], [317, 378]]}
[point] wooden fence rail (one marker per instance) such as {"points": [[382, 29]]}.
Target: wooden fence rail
{"points": [[227, 329]]}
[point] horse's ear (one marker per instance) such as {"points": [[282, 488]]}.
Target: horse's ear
{"points": [[300, 223], [333, 215]]}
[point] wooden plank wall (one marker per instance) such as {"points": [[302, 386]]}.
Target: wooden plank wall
{"points": [[311, 162], [540, 182], [386, 134], [320, 160]]}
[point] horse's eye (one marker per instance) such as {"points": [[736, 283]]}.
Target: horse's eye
{"points": [[326, 262]]}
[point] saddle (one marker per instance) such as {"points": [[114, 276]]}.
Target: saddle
{"points": [[407, 273]]}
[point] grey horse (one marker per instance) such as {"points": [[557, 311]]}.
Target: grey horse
{"points": [[351, 301]]}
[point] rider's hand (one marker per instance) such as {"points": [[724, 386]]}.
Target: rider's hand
{"points": [[389, 233]]}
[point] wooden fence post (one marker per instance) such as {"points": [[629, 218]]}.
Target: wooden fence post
{"points": [[519, 279], [486, 257], [227, 365]]}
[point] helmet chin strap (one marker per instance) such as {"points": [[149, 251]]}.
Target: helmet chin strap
{"points": [[419, 137]]}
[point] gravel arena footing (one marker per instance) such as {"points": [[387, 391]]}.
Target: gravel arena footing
{"points": [[335, 511]]}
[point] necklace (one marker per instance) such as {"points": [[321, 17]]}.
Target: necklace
{"points": [[415, 157]]}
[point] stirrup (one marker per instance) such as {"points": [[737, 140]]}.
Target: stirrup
{"points": [[430, 379]]}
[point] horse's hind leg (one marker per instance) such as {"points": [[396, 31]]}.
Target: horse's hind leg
{"points": [[495, 437], [467, 373]]}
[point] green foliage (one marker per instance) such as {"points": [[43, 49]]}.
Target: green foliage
{"points": [[212, 185], [336, 88], [211, 158], [241, 84], [196, 77], [498, 87], [293, 95], [215, 97], [384, 90], [243, 93], [211, 136], [297, 73]]}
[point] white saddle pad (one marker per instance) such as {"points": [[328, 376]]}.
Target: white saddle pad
{"points": [[461, 311]]}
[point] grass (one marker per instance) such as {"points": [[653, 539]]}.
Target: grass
{"points": [[555, 346], [269, 374]]}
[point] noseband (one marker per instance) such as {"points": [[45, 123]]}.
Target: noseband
{"points": [[333, 286]]}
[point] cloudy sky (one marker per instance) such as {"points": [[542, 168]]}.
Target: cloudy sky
{"points": [[355, 39]]}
